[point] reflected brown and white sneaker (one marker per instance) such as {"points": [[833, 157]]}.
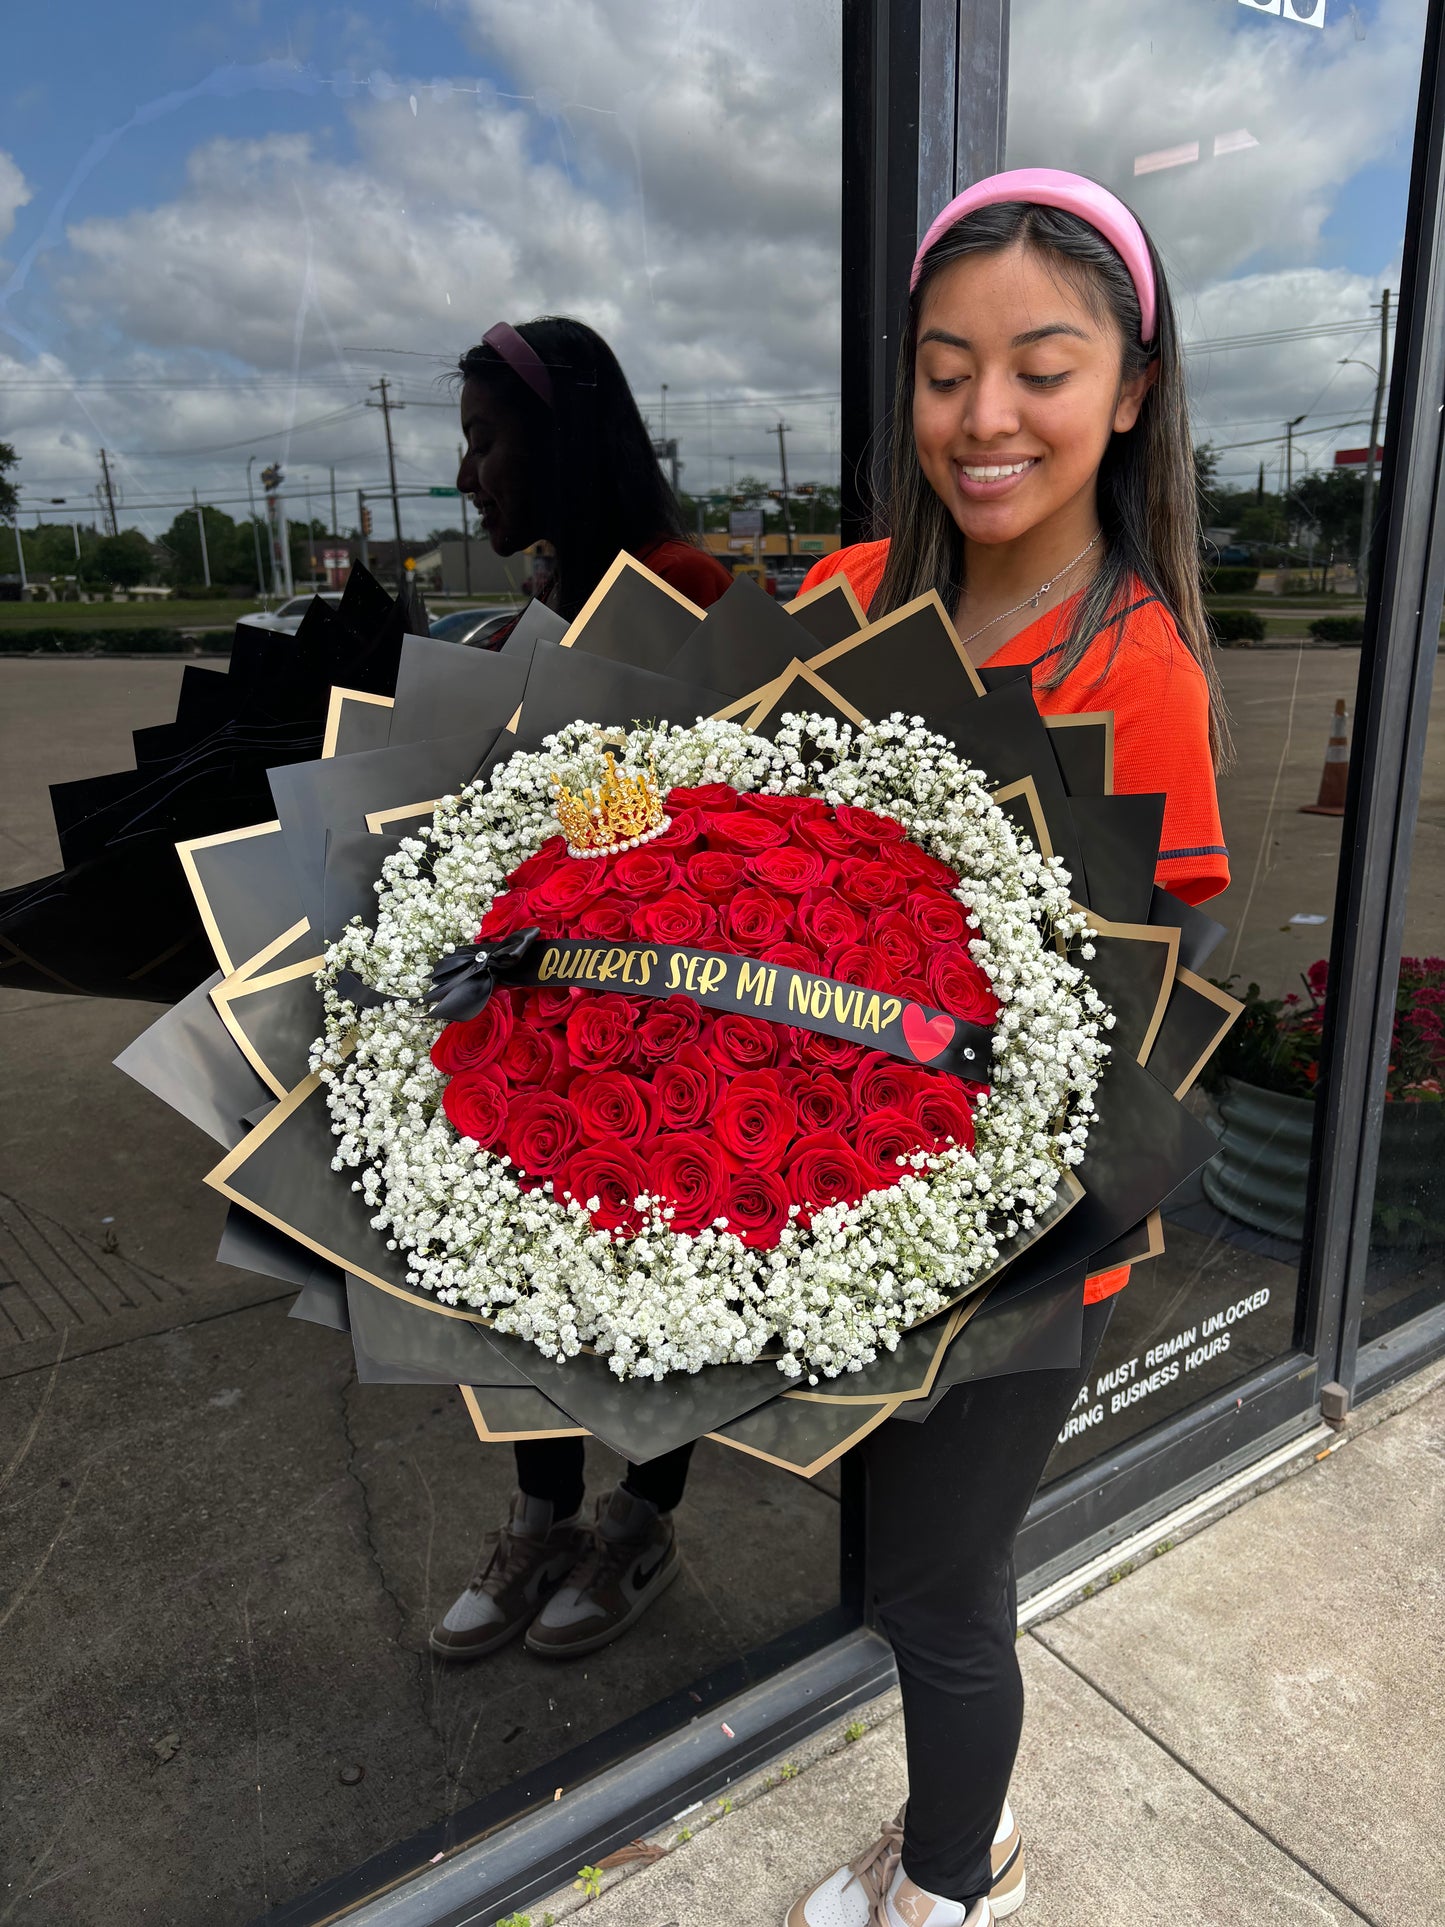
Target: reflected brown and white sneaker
{"points": [[874, 1891], [527, 1559], [631, 1561], [1010, 1886]]}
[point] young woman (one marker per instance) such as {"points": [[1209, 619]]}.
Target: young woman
{"points": [[1043, 484], [555, 449]]}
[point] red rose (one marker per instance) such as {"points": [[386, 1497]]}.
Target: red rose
{"points": [[534, 868], [600, 1032], [822, 1100], [922, 866], [755, 1120], [867, 826], [823, 834], [609, 918], [683, 834], [684, 1089], [873, 883], [827, 921], [791, 870], [916, 989], [961, 987], [676, 917], [548, 1004], [791, 956], [614, 1176], [861, 963], [744, 831], [715, 874], [756, 1208], [642, 873], [943, 1112], [542, 1131], [940, 918], [476, 1043], [891, 933], [737, 1043], [882, 1083], [613, 1107], [534, 1058], [566, 891], [476, 1103], [506, 914], [785, 809], [815, 1050], [883, 1137], [713, 797], [666, 1028], [823, 1169], [686, 1170], [756, 917]]}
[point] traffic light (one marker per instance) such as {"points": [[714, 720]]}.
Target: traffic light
{"points": [[271, 478], [365, 519], [806, 489]]}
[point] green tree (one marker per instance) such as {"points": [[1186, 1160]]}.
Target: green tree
{"points": [[229, 550], [124, 559], [1333, 501], [9, 498]]}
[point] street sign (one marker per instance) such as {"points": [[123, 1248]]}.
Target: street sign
{"points": [[745, 522], [443, 491], [1356, 457]]}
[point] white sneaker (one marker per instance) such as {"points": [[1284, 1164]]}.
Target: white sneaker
{"points": [[874, 1891]]}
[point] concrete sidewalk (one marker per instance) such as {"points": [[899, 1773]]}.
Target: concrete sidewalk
{"points": [[1246, 1729]]}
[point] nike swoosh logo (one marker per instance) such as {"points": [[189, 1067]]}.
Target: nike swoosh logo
{"points": [[641, 1578]]}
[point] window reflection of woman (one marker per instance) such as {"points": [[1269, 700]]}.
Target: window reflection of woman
{"points": [[556, 451]]}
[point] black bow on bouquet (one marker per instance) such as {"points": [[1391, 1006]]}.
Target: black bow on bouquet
{"points": [[272, 894], [463, 981]]}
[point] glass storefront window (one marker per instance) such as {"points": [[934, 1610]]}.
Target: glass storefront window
{"points": [[221, 239], [1267, 148]]}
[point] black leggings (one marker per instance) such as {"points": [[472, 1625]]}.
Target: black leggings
{"points": [[945, 1502], [552, 1469], [946, 1499]]}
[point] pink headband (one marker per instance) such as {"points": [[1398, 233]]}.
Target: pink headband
{"points": [[1048, 187], [521, 358]]}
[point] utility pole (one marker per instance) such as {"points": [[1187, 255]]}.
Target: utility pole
{"points": [[1289, 429], [466, 534], [20, 549], [664, 411], [111, 527], [335, 530], [201, 525], [787, 514], [255, 531], [386, 404], [361, 528], [1367, 504]]}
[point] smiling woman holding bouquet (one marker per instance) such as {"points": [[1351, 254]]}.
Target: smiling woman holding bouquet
{"points": [[1043, 484]]}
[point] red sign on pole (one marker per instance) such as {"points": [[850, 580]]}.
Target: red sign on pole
{"points": [[1355, 457]]}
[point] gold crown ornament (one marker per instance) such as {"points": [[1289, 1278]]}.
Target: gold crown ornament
{"points": [[625, 810]]}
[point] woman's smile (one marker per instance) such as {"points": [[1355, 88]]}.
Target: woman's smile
{"points": [[986, 481]]}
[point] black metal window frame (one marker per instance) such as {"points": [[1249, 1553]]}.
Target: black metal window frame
{"points": [[925, 101]]}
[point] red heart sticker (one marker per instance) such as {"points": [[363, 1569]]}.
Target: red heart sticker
{"points": [[926, 1037]]}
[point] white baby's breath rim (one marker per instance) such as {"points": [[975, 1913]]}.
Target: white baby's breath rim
{"points": [[833, 1293]]}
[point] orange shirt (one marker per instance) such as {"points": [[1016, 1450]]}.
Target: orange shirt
{"points": [[1160, 700]]}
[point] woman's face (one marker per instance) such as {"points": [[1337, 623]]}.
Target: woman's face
{"points": [[1017, 389], [500, 469]]}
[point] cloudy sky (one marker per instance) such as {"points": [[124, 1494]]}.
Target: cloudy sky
{"points": [[218, 227]]}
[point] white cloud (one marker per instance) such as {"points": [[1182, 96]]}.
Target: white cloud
{"points": [[15, 193]]}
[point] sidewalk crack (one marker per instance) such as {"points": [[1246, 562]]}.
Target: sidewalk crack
{"points": [[1202, 1779]]}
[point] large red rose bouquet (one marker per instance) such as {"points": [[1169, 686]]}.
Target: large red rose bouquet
{"points": [[675, 1184]]}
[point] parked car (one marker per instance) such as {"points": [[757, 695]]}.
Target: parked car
{"points": [[287, 619], [473, 628]]}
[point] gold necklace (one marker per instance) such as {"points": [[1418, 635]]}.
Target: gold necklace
{"points": [[1033, 601]]}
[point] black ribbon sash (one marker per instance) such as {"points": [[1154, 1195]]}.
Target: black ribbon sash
{"points": [[718, 980]]}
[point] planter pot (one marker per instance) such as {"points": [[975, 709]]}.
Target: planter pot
{"points": [[1260, 1174]]}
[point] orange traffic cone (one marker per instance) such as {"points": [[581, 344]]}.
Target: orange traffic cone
{"points": [[1331, 799]]}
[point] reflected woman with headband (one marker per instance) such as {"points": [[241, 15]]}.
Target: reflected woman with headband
{"points": [[557, 451]]}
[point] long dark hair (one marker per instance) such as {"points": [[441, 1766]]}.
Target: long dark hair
{"points": [[1148, 502], [595, 455]]}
